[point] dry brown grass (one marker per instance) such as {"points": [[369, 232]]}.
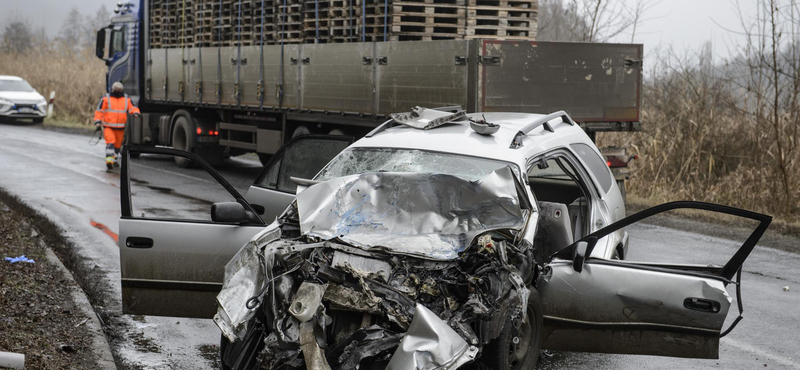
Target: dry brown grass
{"points": [[698, 143], [75, 76]]}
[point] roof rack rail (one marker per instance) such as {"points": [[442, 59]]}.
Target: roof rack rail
{"points": [[391, 121], [543, 121]]}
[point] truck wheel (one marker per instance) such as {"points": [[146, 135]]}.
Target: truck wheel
{"points": [[518, 348], [182, 140], [301, 130], [264, 158]]}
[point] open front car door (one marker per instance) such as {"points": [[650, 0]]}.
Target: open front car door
{"points": [[178, 229], [611, 306]]}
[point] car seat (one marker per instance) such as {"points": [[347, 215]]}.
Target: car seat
{"points": [[554, 227]]}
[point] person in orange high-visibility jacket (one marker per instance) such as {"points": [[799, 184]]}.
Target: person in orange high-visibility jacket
{"points": [[112, 114]]}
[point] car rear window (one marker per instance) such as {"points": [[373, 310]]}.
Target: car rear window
{"points": [[595, 163]]}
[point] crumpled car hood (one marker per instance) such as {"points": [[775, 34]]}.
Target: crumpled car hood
{"points": [[431, 216]]}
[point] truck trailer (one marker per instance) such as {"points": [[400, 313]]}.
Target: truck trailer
{"points": [[218, 91]]}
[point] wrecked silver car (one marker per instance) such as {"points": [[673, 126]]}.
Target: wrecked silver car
{"points": [[390, 270], [443, 248]]}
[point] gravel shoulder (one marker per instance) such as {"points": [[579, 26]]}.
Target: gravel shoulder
{"points": [[38, 315]]}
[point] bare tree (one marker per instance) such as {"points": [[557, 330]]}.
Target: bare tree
{"points": [[101, 19], [72, 30], [768, 74], [17, 37], [589, 20]]}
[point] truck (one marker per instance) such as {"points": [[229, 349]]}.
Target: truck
{"points": [[219, 94]]}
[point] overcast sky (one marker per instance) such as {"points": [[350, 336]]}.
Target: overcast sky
{"points": [[684, 24]]}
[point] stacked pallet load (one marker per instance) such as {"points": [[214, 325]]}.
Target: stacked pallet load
{"points": [[316, 21], [502, 19], [156, 22], [290, 27], [428, 20], [342, 18], [374, 20], [264, 21], [187, 23], [243, 12]]}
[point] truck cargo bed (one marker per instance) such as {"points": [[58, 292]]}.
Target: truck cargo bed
{"points": [[592, 82]]}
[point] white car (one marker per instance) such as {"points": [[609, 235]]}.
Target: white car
{"points": [[18, 100], [444, 240]]}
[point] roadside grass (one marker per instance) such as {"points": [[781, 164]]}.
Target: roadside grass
{"points": [[68, 123]]}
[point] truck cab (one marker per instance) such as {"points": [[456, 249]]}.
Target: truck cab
{"points": [[118, 45]]}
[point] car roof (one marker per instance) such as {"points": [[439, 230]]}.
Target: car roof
{"points": [[459, 138], [11, 78]]}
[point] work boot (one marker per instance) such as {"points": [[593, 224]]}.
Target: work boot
{"points": [[110, 162], [116, 161]]}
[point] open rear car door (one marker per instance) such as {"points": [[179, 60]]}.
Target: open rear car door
{"points": [[612, 306]]}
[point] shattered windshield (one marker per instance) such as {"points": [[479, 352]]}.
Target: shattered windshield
{"points": [[361, 160], [433, 216]]}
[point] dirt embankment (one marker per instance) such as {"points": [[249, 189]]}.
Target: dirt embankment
{"points": [[38, 317]]}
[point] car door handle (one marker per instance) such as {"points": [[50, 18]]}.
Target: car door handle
{"points": [[702, 305], [258, 208], [138, 242]]}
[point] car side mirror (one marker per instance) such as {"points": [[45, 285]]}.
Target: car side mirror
{"points": [[228, 212], [580, 255]]}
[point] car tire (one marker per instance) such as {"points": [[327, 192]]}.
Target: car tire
{"points": [[245, 352], [504, 354], [182, 140]]}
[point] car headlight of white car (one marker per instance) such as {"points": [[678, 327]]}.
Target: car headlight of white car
{"points": [[41, 104], [4, 101]]}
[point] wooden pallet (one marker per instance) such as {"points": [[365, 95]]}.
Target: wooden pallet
{"points": [[428, 20], [502, 18], [253, 22], [316, 21]]}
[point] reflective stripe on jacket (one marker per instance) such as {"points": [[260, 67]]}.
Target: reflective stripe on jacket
{"points": [[113, 112]]}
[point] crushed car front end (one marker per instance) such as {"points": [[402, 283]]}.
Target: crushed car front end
{"points": [[386, 271]]}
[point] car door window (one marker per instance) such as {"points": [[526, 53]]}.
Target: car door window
{"points": [[302, 158], [564, 201], [160, 191], [595, 163], [645, 306], [170, 245], [723, 258]]}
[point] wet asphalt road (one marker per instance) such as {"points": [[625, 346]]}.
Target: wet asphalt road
{"points": [[64, 177]]}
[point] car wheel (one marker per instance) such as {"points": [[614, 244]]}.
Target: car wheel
{"points": [[242, 355], [182, 140], [517, 348]]}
